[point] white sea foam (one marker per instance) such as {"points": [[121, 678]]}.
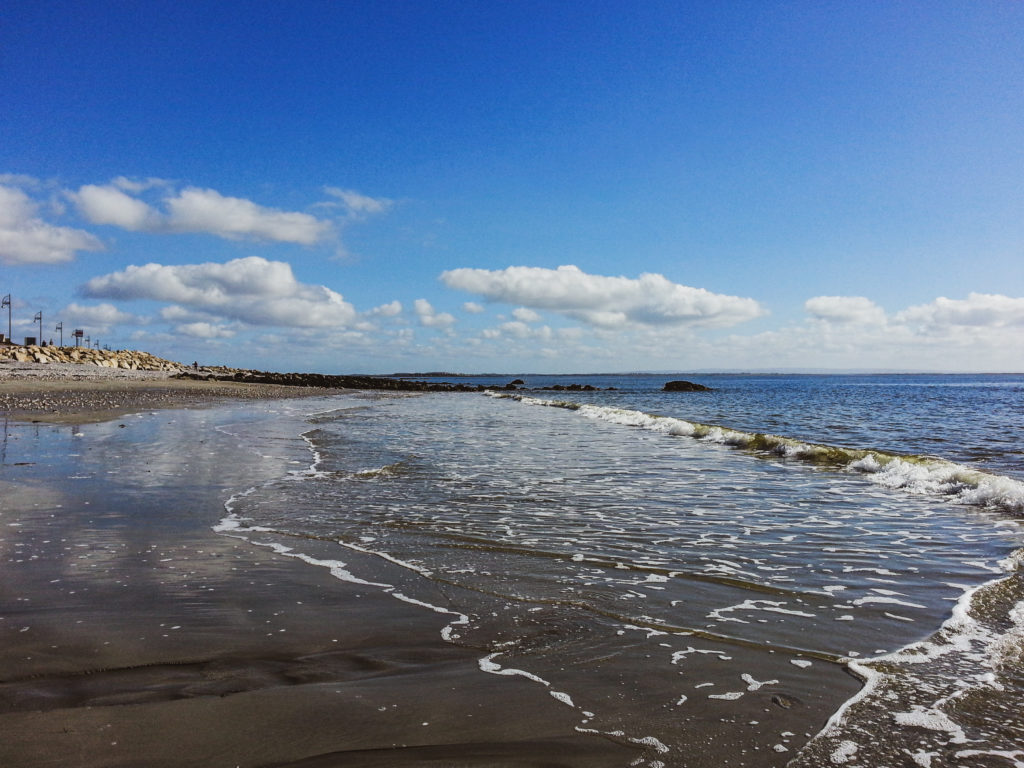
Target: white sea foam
{"points": [[753, 685], [973, 649], [487, 664], [887, 600], [565, 698], [844, 753], [913, 474], [1014, 757], [385, 556], [731, 696], [933, 720], [771, 606]]}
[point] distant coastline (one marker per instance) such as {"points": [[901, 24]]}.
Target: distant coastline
{"points": [[709, 372]]}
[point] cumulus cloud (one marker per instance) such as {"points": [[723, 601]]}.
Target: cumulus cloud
{"points": [[525, 315], [196, 210], [18, 180], [203, 330], [429, 317], [391, 309], [517, 329], [135, 185], [26, 239], [472, 307], [206, 210], [109, 205], [252, 290], [608, 302], [97, 317], [977, 310], [176, 314], [845, 309]]}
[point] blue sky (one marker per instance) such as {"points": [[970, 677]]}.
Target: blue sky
{"points": [[523, 186]]}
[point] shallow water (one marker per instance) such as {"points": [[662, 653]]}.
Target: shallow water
{"points": [[703, 592]]}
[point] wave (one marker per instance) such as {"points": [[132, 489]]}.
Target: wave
{"points": [[928, 475], [947, 691]]}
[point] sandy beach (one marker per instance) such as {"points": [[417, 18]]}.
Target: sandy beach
{"points": [[67, 393], [132, 634]]}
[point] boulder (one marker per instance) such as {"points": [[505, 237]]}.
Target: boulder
{"points": [[684, 386]]}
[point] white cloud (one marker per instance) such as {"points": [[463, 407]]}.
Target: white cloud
{"points": [[98, 318], [977, 310], [252, 290], [18, 180], [610, 302], [177, 314], [358, 205], [845, 309], [201, 330], [206, 210], [520, 330], [429, 317], [109, 205], [981, 333], [391, 309], [196, 210], [27, 239], [133, 185], [525, 315], [472, 307]]}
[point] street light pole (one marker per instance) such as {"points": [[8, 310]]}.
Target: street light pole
{"points": [[7, 303], [39, 317], [60, 327]]}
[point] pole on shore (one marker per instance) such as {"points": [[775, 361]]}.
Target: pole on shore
{"points": [[39, 317], [60, 327], [7, 303]]}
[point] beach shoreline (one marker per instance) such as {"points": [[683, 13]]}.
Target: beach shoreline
{"points": [[134, 634], [70, 393]]}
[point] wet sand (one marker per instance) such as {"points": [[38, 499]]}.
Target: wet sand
{"points": [[131, 634], [64, 393]]}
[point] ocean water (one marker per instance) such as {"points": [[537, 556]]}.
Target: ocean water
{"points": [[787, 570]]}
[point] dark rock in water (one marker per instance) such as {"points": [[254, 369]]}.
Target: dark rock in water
{"points": [[684, 386], [572, 388], [786, 702], [518, 382], [342, 382]]}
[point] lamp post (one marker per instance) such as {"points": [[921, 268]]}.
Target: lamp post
{"points": [[7, 303], [60, 327], [39, 317]]}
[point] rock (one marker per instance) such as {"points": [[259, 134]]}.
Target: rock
{"points": [[102, 358], [684, 386], [785, 701], [517, 382], [323, 380]]}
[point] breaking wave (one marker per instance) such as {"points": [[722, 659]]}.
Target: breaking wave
{"points": [[926, 475]]}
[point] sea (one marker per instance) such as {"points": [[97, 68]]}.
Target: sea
{"points": [[784, 570]]}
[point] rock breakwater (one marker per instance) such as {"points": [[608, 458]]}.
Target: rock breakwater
{"points": [[132, 360], [218, 373]]}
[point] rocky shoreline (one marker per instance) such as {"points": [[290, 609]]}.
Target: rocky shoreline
{"points": [[243, 376], [129, 360], [76, 384]]}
